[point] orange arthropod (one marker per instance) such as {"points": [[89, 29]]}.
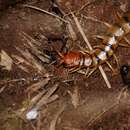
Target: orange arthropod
{"points": [[76, 59], [107, 48]]}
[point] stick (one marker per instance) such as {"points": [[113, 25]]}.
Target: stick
{"points": [[53, 122], [44, 11], [91, 49], [96, 20], [91, 121]]}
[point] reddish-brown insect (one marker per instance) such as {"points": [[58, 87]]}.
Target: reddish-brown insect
{"points": [[107, 48], [76, 59]]}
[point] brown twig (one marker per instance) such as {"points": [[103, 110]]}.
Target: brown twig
{"points": [[2, 89], [44, 11], [53, 122], [75, 97], [90, 48], [96, 20], [100, 115], [48, 97], [39, 122]]}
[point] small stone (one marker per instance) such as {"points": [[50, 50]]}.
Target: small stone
{"points": [[32, 114]]}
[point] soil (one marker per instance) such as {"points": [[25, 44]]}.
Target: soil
{"points": [[31, 39]]}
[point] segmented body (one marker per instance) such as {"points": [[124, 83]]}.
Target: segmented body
{"points": [[105, 50]]}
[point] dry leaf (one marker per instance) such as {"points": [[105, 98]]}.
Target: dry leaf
{"points": [[6, 60]]}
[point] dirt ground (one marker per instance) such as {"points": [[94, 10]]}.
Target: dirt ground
{"points": [[31, 78]]}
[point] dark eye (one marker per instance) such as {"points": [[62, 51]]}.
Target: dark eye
{"points": [[124, 70]]}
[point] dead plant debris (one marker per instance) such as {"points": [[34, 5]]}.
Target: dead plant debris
{"points": [[37, 94]]}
